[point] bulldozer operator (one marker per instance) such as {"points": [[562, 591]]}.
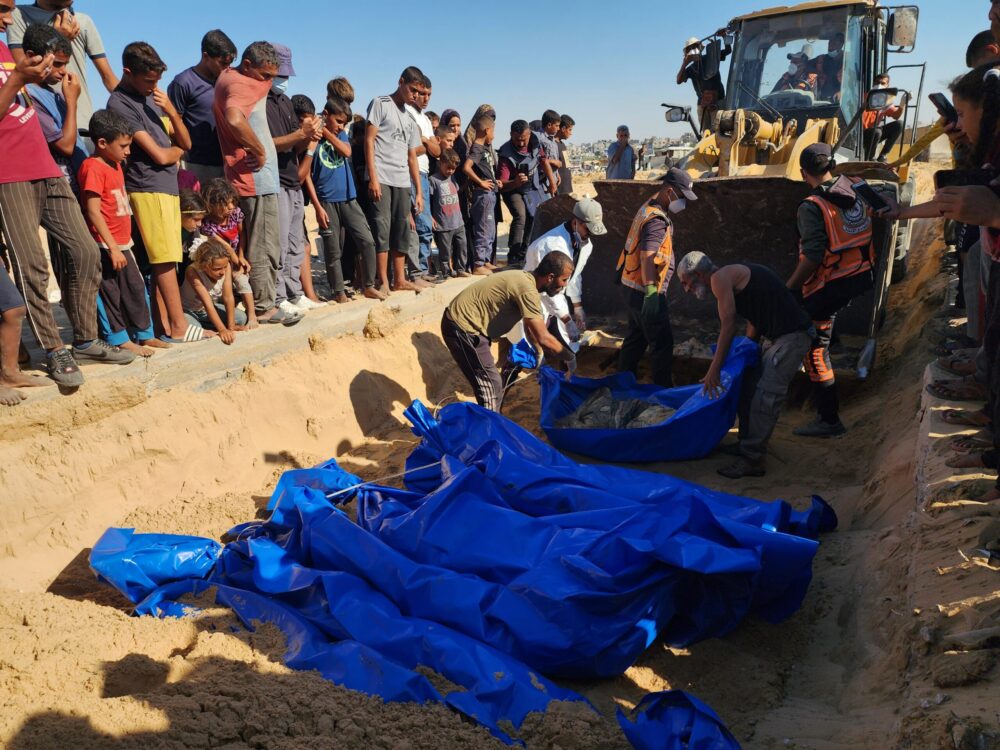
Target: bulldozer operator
{"points": [[798, 77]]}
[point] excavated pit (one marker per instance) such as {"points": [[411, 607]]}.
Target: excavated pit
{"points": [[167, 451]]}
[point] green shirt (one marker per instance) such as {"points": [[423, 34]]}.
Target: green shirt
{"points": [[496, 304]]}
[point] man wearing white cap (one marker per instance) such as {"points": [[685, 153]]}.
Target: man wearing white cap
{"points": [[709, 90], [798, 77], [572, 238]]}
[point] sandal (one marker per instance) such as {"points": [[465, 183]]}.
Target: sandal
{"points": [[957, 391], [958, 364], [63, 369], [970, 444], [965, 417]]}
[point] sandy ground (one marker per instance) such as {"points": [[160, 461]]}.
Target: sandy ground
{"points": [[870, 661]]}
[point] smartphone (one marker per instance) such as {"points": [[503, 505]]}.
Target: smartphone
{"points": [[868, 194], [523, 169], [944, 107], [963, 177]]}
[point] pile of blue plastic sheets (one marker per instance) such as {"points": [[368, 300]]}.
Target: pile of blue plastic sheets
{"points": [[502, 565]]}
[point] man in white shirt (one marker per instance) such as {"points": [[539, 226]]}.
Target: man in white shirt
{"points": [[428, 145], [573, 239]]}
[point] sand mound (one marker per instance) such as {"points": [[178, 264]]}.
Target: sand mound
{"points": [[381, 322]]}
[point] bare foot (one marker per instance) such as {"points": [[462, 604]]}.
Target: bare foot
{"points": [[406, 286], [139, 351], [373, 293], [266, 315], [10, 397], [967, 461], [990, 497], [155, 343], [22, 380]]}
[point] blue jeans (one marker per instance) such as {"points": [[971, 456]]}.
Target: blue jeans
{"points": [[121, 337], [425, 226], [201, 317]]}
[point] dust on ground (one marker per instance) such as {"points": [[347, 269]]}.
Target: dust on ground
{"points": [[851, 669]]}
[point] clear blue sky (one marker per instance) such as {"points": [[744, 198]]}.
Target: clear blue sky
{"points": [[603, 63]]}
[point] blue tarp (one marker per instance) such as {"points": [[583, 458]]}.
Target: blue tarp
{"points": [[692, 432], [501, 562]]}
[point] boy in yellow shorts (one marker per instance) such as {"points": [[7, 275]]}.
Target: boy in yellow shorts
{"points": [[159, 141]]}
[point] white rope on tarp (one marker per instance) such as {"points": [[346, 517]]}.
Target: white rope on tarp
{"points": [[380, 480]]}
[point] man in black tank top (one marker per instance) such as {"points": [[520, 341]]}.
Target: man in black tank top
{"points": [[756, 294]]}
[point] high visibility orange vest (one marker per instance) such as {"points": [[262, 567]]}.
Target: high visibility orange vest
{"points": [[630, 260], [851, 248]]}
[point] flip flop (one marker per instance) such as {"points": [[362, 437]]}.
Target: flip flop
{"points": [[957, 365], [193, 333], [962, 417], [957, 392], [970, 444]]}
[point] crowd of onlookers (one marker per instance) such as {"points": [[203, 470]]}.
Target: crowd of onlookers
{"points": [[176, 212]]}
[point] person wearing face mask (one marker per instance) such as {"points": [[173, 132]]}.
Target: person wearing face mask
{"points": [[877, 126], [572, 238], [756, 294], [291, 138], [646, 265], [827, 68], [835, 265], [798, 77]]}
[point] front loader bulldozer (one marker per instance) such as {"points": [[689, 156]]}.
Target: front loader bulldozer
{"points": [[746, 168]]}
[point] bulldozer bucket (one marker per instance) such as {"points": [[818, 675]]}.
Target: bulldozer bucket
{"points": [[734, 219]]}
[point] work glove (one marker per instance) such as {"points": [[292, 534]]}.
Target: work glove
{"points": [[652, 306], [570, 366], [571, 330]]}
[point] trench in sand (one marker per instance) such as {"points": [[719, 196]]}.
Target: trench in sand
{"points": [[74, 669]]}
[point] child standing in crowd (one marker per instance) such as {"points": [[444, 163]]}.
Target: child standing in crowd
{"points": [[224, 220], [480, 169], [340, 88], [208, 292], [305, 111], [566, 124], [56, 106], [192, 216], [151, 174], [106, 207], [332, 190], [449, 228]]}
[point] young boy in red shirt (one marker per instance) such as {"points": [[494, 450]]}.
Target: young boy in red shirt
{"points": [[109, 216]]}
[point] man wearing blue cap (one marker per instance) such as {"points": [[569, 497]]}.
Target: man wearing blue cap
{"points": [[290, 139]]}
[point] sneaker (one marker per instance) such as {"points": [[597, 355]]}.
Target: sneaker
{"points": [[743, 468], [820, 429], [63, 369], [303, 303], [102, 351], [284, 317], [289, 307]]}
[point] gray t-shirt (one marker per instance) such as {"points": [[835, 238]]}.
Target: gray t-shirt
{"points": [[397, 134], [142, 174], [88, 43], [445, 206]]}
